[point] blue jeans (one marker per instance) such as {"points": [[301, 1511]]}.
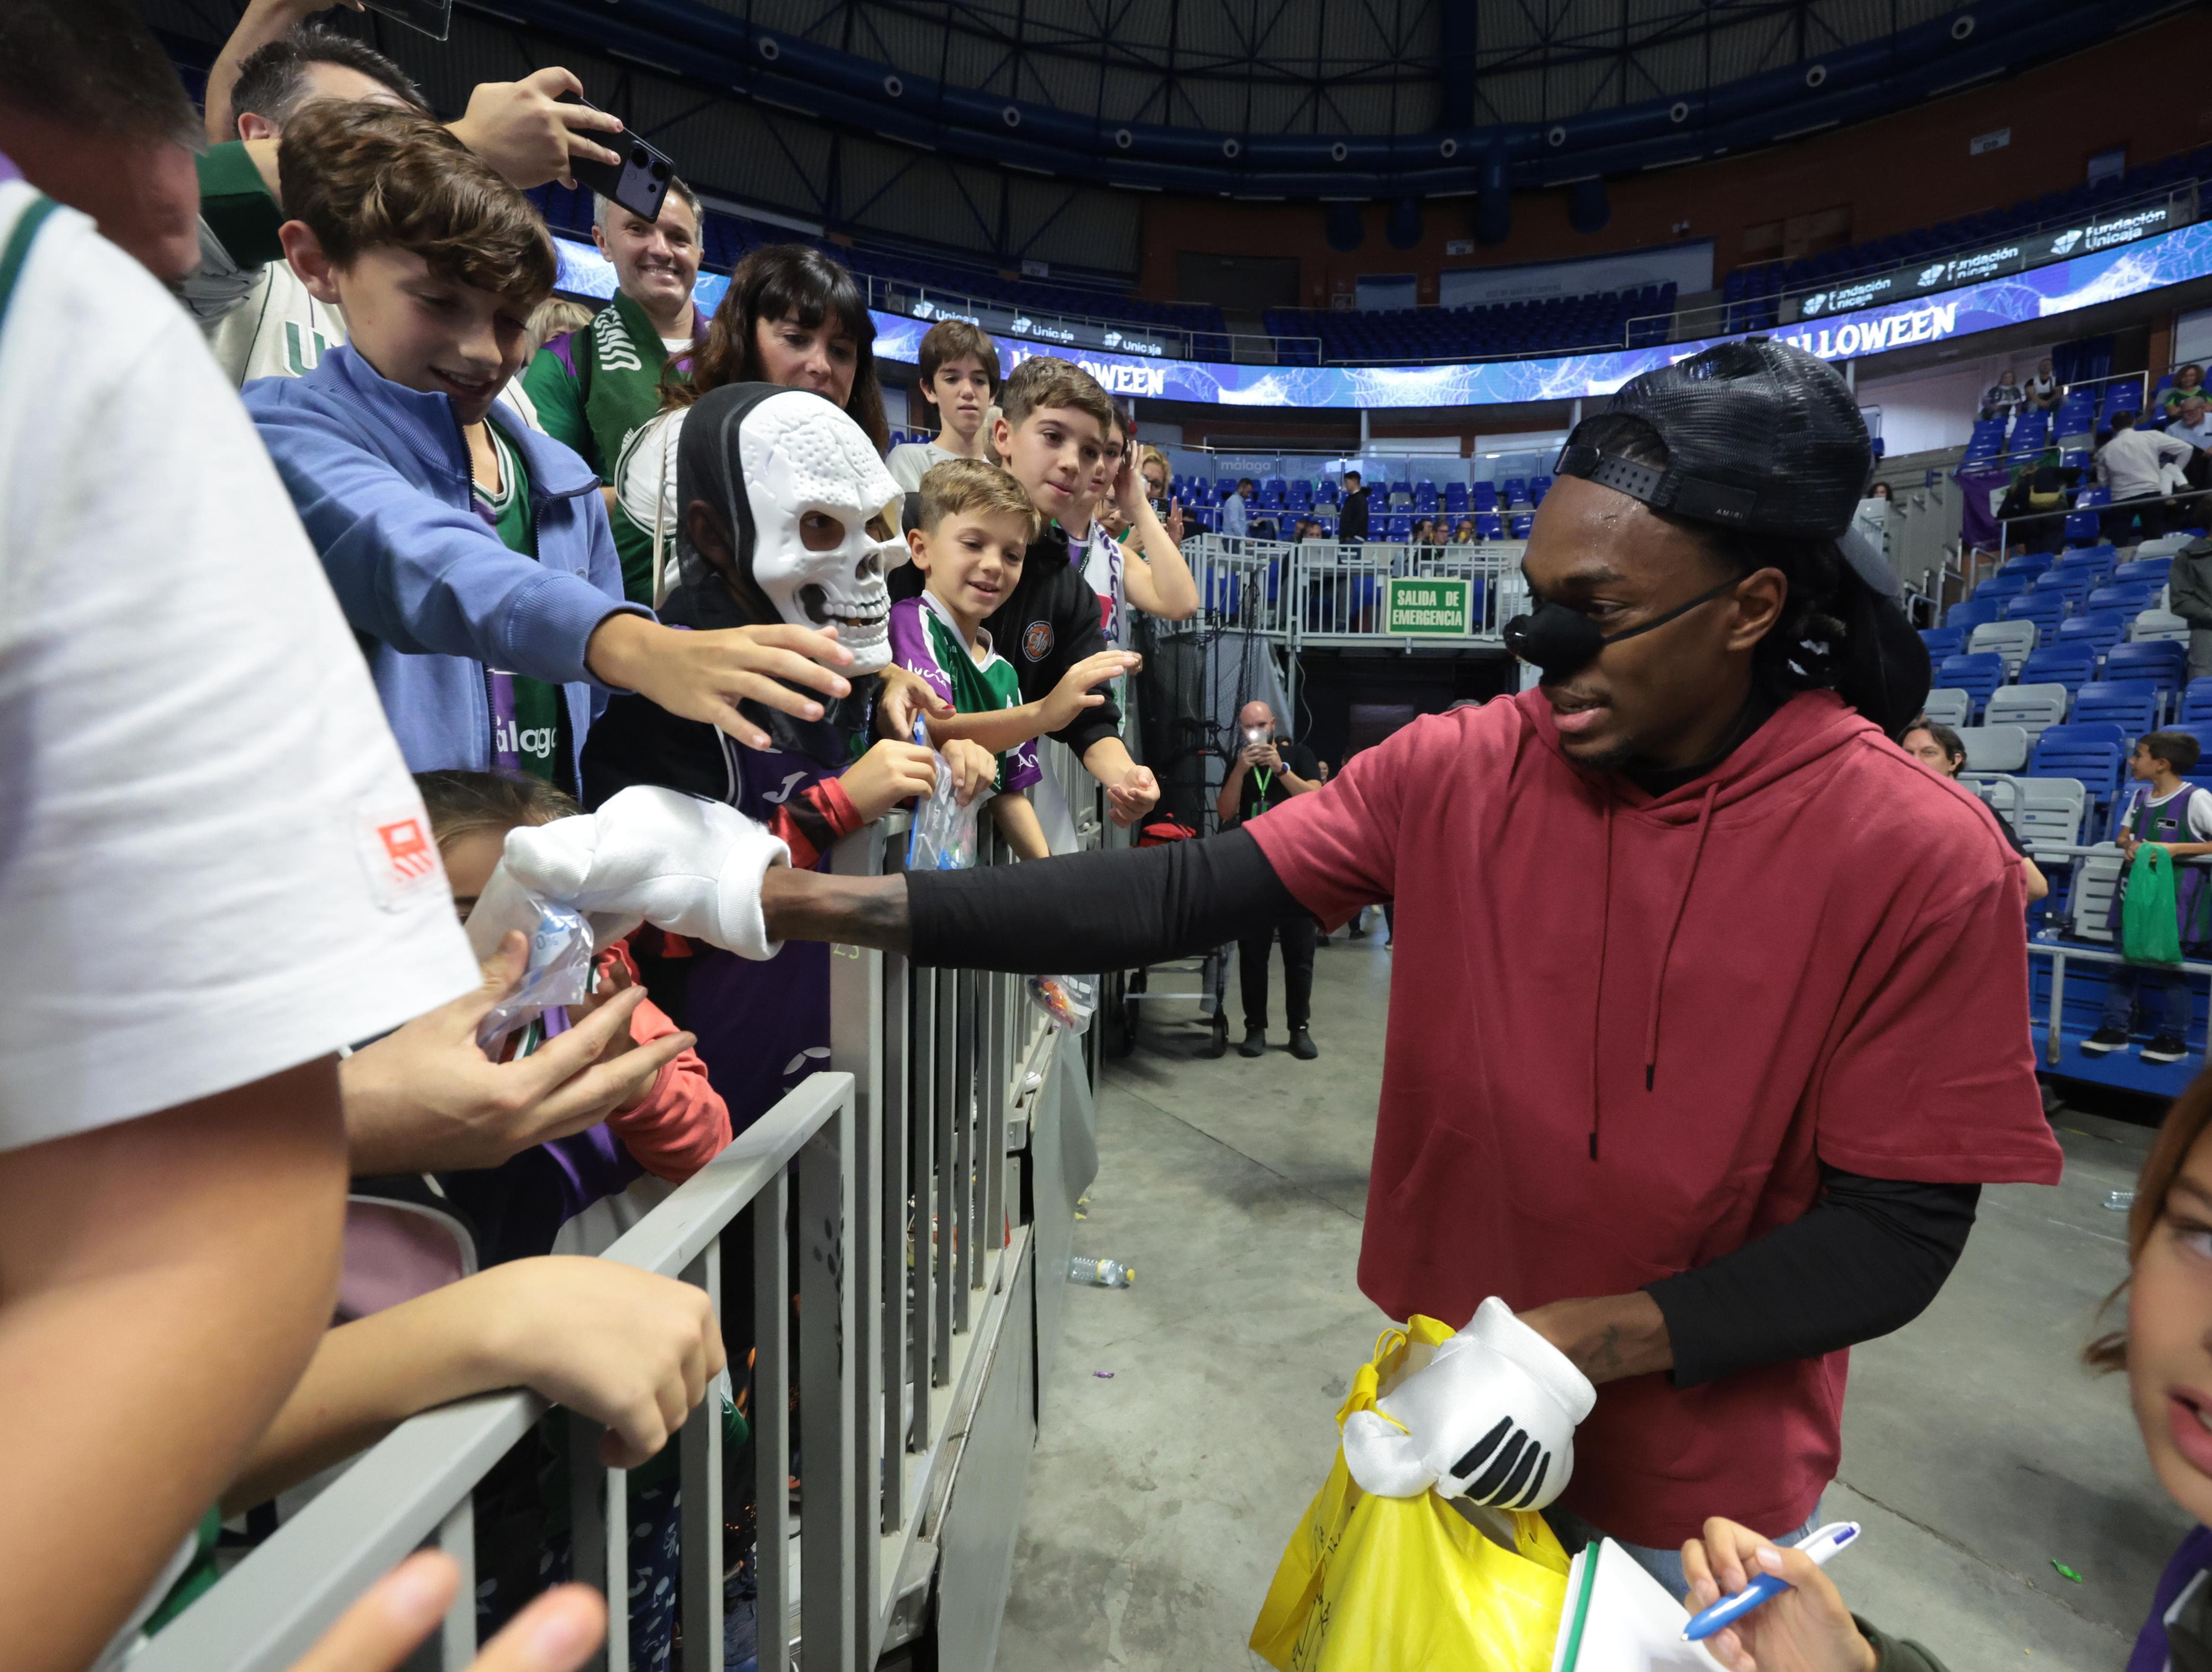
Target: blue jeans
{"points": [[2171, 985], [1662, 1563]]}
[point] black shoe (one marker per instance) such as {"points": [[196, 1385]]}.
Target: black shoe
{"points": [[2104, 1040], [2166, 1048], [1302, 1045], [1255, 1042]]}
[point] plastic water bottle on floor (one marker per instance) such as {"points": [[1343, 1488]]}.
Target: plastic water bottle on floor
{"points": [[1100, 1273], [2119, 1200]]}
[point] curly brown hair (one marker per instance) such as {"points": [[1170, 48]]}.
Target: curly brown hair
{"points": [[366, 177], [784, 280]]}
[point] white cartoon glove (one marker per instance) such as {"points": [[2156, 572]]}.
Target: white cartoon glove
{"points": [[1491, 1418], [648, 855]]}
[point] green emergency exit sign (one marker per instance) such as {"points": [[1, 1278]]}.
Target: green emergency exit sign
{"points": [[1431, 607]]}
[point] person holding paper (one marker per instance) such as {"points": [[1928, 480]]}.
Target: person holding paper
{"points": [[1711, 1016]]}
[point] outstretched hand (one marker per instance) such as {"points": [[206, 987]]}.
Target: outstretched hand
{"points": [[425, 1098], [1137, 794], [704, 676], [557, 1633]]}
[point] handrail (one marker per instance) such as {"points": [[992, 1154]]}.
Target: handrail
{"points": [[908, 1240], [416, 1482]]}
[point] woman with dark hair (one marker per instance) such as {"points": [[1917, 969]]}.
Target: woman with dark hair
{"points": [[1713, 1018], [792, 317]]}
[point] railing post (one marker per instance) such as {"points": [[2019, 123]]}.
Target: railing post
{"points": [[856, 1041], [826, 1387], [772, 1424], [700, 1459], [457, 1537]]}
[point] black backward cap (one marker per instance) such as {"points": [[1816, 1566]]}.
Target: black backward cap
{"points": [[1759, 435]]}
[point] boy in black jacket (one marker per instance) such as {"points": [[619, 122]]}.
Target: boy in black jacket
{"points": [[1051, 430]]}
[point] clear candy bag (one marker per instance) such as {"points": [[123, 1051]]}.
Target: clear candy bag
{"points": [[944, 834], [1067, 1001], [559, 972]]}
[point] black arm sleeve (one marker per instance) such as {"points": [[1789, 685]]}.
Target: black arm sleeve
{"points": [[1866, 1260], [1096, 911]]}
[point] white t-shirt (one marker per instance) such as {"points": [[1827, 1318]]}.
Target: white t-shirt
{"points": [[910, 461], [214, 865]]}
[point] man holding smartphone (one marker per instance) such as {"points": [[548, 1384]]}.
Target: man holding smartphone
{"points": [[259, 319], [1264, 773]]}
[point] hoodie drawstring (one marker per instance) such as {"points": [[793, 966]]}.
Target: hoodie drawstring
{"points": [[1597, 1001], [1682, 904]]}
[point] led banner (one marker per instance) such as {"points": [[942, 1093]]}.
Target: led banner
{"points": [[1996, 260], [2084, 280]]}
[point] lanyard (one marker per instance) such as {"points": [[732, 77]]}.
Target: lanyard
{"points": [[1261, 774]]}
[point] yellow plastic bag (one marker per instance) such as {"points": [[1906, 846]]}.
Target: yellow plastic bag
{"points": [[1406, 1584]]}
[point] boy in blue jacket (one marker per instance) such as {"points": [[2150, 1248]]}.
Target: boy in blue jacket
{"points": [[472, 555]]}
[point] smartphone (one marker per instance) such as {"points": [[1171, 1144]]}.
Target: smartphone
{"points": [[639, 183], [435, 18]]}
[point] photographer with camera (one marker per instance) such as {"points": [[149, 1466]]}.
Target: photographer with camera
{"points": [[1262, 773]]}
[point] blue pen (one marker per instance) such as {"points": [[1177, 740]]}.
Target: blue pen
{"points": [[1820, 1544]]}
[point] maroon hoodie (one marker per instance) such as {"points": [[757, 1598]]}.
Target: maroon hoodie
{"points": [[1626, 1031]]}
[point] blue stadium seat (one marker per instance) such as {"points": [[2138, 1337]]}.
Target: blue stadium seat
{"points": [[2155, 570], [1486, 496], [2003, 585], [2072, 585], [1515, 490], [2081, 525], [2089, 556], [1521, 526], [2095, 752], [1977, 676], [2197, 702], [2030, 564], [1489, 525], [2164, 661], [2131, 704], [1943, 642], [2045, 609], [2099, 631], [1538, 487], [2134, 600], [1970, 613], [2061, 665]]}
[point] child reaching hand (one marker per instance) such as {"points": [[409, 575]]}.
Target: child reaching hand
{"points": [[678, 1123], [976, 525]]}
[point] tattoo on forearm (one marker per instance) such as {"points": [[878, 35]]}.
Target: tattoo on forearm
{"points": [[1603, 1356]]}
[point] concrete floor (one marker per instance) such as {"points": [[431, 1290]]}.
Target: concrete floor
{"points": [[1191, 1417]]}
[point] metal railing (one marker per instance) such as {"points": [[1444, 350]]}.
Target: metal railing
{"points": [[1325, 592], [915, 1258]]}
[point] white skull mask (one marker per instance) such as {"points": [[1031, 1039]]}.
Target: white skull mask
{"points": [[803, 461]]}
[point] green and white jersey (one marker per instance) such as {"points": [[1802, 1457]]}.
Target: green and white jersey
{"points": [[926, 641]]}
